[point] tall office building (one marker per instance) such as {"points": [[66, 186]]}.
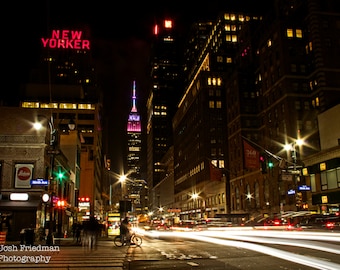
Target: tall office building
{"points": [[278, 76], [134, 140], [162, 100], [64, 83], [137, 187], [201, 151]]}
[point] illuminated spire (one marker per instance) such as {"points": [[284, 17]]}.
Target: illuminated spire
{"points": [[134, 108], [134, 123]]}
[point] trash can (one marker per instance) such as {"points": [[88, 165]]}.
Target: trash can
{"points": [[29, 236]]}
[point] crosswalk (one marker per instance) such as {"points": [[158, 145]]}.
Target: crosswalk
{"points": [[105, 256]]}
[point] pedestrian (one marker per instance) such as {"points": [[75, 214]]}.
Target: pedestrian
{"points": [[90, 233]]}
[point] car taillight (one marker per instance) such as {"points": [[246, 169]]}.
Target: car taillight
{"points": [[276, 222], [329, 224]]}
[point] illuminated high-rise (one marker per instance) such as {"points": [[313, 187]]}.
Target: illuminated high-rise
{"points": [[134, 140], [162, 100]]}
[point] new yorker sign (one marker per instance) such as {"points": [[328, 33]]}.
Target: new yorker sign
{"points": [[66, 39]]}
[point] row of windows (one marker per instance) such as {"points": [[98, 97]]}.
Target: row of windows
{"points": [[215, 104], [330, 179], [234, 17], [215, 81], [54, 105]]}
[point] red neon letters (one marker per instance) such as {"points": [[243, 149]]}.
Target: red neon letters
{"points": [[66, 39]]}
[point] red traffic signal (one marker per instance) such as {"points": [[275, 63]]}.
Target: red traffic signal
{"points": [[61, 203], [84, 199]]}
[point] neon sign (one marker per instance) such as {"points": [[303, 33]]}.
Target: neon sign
{"points": [[66, 39]]}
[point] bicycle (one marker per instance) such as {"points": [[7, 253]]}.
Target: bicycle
{"points": [[127, 241]]}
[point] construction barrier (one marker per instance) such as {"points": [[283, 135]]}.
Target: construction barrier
{"points": [[2, 238]]}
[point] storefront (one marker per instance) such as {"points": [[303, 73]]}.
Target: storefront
{"points": [[16, 216]]}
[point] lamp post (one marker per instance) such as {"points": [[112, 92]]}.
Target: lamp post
{"points": [[292, 147], [122, 180], [52, 151], [194, 197]]}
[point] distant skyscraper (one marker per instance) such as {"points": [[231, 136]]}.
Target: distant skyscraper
{"points": [[134, 140], [137, 188], [163, 99]]}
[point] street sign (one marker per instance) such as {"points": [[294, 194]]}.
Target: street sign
{"points": [[304, 188], [39, 181]]}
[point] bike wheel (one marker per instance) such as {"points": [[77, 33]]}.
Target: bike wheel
{"points": [[118, 241], [137, 240]]}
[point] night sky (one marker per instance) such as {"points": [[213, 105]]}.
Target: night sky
{"points": [[121, 31]]}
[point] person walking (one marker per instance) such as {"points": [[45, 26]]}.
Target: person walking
{"points": [[90, 231]]}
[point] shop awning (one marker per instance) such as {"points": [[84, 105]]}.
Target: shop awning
{"points": [[7, 205]]}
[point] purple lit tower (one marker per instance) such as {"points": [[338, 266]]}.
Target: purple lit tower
{"points": [[134, 132], [137, 189]]}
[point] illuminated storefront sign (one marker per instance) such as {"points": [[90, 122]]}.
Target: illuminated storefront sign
{"points": [[66, 39]]}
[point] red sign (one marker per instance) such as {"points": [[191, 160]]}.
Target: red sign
{"points": [[66, 39], [24, 173], [251, 156]]}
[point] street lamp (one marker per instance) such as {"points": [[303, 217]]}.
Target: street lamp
{"points": [[194, 197], [292, 147], [52, 150], [122, 180]]}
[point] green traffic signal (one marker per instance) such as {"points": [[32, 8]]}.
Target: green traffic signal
{"points": [[270, 164], [60, 175]]}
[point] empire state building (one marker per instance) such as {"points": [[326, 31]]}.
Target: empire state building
{"points": [[134, 140]]}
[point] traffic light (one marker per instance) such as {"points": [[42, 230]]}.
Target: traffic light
{"points": [[60, 174], [263, 163], [298, 199], [270, 164], [61, 203]]}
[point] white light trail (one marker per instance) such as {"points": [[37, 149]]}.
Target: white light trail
{"points": [[275, 237]]}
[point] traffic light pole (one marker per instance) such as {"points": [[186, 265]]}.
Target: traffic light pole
{"points": [[52, 150]]}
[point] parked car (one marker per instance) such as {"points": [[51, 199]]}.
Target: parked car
{"points": [[319, 221]]}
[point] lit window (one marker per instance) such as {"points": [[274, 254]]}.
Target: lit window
{"points": [[226, 16], [228, 38], [168, 24], [298, 33], [218, 104], [229, 60], [211, 104], [234, 38], [219, 59], [241, 18], [219, 81], [227, 27], [233, 28], [214, 81], [232, 17], [269, 43], [290, 33], [209, 81]]}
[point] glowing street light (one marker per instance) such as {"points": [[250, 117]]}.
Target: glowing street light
{"points": [[292, 147]]}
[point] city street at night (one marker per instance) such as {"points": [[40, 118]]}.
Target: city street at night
{"points": [[226, 248]]}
